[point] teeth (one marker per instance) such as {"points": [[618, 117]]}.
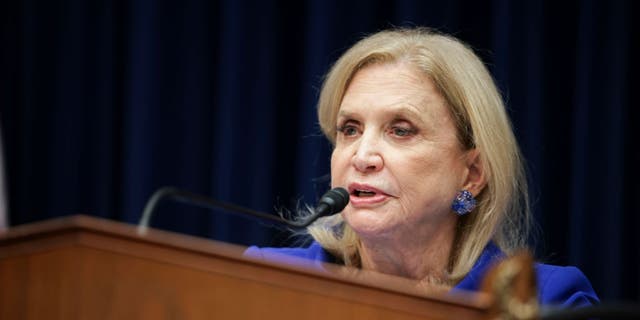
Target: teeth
{"points": [[364, 193]]}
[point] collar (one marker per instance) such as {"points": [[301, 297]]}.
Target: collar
{"points": [[473, 279]]}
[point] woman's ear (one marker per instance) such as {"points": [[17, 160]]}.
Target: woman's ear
{"points": [[476, 178]]}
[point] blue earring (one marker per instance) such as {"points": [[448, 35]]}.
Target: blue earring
{"points": [[463, 203]]}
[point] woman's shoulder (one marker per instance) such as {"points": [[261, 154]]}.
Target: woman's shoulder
{"points": [[557, 285], [566, 286]]}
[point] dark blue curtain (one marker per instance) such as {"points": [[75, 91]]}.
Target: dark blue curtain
{"points": [[103, 102]]}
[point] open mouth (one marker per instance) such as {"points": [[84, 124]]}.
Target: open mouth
{"points": [[366, 196], [363, 193]]}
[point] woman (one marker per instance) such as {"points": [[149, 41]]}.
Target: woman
{"points": [[424, 146]]}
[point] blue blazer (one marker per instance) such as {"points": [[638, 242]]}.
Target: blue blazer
{"points": [[562, 286]]}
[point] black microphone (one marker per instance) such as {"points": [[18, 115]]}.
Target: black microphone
{"points": [[332, 202]]}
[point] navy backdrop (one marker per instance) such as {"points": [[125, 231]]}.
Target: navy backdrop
{"points": [[102, 102]]}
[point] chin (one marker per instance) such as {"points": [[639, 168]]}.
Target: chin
{"points": [[366, 223]]}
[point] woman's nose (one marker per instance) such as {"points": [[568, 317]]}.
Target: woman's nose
{"points": [[367, 156]]}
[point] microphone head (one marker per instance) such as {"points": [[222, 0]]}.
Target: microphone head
{"points": [[334, 201]]}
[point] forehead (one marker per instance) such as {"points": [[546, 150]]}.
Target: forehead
{"points": [[397, 87]]}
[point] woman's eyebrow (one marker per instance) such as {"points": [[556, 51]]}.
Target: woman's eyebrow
{"points": [[395, 112], [410, 113]]}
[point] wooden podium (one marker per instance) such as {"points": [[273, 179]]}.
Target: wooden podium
{"points": [[80, 267]]}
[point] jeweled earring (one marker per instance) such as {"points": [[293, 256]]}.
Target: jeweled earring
{"points": [[463, 203]]}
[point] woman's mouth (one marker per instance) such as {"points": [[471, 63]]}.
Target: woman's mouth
{"points": [[362, 195]]}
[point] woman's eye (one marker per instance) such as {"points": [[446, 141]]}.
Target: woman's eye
{"points": [[348, 130], [402, 132]]}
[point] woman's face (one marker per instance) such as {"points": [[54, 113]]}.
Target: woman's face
{"points": [[397, 153]]}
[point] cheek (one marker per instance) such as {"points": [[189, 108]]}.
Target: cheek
{"points": [[333, 169], [337, 166], [427, 180]]}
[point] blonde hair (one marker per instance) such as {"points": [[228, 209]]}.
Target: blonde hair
{"points": [[502, 214]]}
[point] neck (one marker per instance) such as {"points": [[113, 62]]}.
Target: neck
{"points": [[426, 259]]}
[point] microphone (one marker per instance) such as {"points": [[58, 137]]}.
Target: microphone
{"points": [[332, 202]]}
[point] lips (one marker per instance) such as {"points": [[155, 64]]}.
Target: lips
{"points": [[363, 195]]}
